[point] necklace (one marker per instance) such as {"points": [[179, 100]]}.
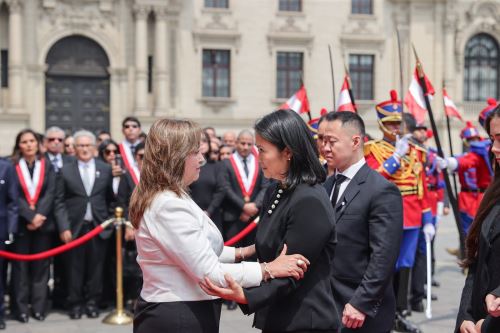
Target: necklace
{"points": [[276, 201]]}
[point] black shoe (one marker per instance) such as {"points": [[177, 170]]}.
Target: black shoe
{"points": [[434, 297], [75, 313], [403, 325], [435, 283], [417, 307], [92, 311], [39, 316], [22, 318], [2, 323], [231, 306]]}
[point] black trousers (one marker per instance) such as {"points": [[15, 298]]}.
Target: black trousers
{"points": [[29, 278], [418, 278], [85, 270], [177, 317]]}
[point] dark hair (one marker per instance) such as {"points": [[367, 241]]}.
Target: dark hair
{"points": [[131, 118], [102, 148], [346, 118], [143, 135], [16, 152], [139, 146], [209, 151], [410, 122], [489, 200], [286, 129], [103, 132]]}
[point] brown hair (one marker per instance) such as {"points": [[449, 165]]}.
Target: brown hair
{"points": [[489, 200], [168, 144], [16, 152]]}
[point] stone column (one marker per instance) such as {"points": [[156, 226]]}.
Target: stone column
{"points": [[15, 55], [161, 89], [141, 60]]}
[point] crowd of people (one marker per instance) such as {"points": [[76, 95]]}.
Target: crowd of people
{"points": [[340, 245]]}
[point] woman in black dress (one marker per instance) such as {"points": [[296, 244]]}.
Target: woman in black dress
{"points": [[483, 251], [297, 215]]}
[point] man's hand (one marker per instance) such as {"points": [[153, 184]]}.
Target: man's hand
{"points": [[66, 236], [352, 318], [493, 305], [468, 327]]}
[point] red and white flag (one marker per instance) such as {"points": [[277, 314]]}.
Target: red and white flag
{"points": [[450, 108], [415, 100], [298, 102], [345, 103]]}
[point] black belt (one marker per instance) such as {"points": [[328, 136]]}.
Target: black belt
{"points": [[479, 190]]}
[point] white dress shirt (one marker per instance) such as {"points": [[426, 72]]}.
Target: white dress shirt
{"points": [[349, 173], [59, 161], [247, 180], [91, 174], [178, 245]]}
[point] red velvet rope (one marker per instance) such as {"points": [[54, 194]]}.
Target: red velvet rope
{"points": [[243, 233], [55, 251]]}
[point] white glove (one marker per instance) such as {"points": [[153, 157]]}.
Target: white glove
{"points": [[449, 163], [440, 208], [429, 232], [402, 145]]}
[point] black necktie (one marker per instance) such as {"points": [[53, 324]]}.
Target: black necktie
{"points": [[339, 179], [245, 166], [132, 150]]}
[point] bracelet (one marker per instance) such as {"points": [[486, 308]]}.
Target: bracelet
{"points": [[266, 269]]}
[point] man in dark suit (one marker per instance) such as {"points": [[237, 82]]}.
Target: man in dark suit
{"points": [[54, 144], [85, 193], [244, 186], [8, 218], [369, 217]]}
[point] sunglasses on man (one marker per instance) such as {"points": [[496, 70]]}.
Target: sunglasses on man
{"points": [[55, 139], [130, 126]]}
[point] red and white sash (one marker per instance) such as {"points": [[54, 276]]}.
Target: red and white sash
{"points": [[129, 161], [247, 191], [31, 186]]}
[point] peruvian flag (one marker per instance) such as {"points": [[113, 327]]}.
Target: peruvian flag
{"points": [[450, 108], [298, 102], [345, 103], [414, 99]]}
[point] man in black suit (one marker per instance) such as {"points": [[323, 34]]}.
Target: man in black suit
{"points": [[8, 218], [244, 186], [369, 217], [85, 193], [54, 144]]}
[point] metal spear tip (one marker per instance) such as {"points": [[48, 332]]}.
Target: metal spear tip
{"points": [[118, 212]]}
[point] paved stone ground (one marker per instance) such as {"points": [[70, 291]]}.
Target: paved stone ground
{"points": [[444, 310]]}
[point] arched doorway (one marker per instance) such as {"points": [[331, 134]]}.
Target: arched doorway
{"points": [[77, 85]]}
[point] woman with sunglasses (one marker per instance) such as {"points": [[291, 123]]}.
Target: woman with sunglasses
{"points": [[108, 152], [36, 227], [69, 146]]}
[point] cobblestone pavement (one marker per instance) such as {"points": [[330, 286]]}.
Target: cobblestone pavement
{"points": [[443, 321]]}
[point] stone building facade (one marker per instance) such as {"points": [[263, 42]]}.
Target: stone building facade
{"points": [[225, 63]]}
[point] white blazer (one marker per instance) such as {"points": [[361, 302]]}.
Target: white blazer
{"points": [[178, 245]]}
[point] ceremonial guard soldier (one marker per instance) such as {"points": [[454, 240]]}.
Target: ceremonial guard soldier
{"points": [[402, 163], [474, 172]]}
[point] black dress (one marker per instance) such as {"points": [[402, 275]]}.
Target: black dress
{"points": [[484, 275], [204, 192], [303, 219]]}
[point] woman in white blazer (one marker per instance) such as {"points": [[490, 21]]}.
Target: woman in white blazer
{"points": [[177, 243]]}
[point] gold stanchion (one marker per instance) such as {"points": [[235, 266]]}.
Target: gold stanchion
{"points": [[119, 316]]}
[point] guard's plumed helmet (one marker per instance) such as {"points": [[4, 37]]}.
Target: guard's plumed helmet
{"points": [[390, 110], [469, 132], [492, 103]]}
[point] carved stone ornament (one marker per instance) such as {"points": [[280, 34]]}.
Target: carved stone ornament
{"points": [[290, 31], [79, 14]]}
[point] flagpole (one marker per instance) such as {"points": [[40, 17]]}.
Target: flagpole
{"points": [[351, 95], [451, 196], [451, 145], [333, 77], [302, 85]]}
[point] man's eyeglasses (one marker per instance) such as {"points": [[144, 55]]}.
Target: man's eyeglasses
{"points": [[55, 139], [109, 151], [131, 126]]}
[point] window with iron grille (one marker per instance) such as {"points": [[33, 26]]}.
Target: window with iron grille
{"points": [[289, 73], [481, 68], [290, 5], [4, 68], [361, 72], [216, 73], [217, 3], [362, 7]]}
